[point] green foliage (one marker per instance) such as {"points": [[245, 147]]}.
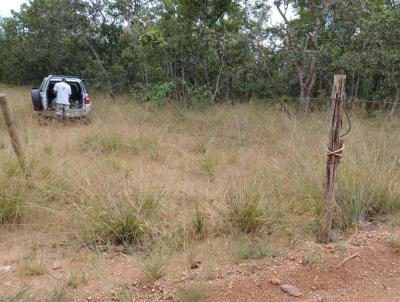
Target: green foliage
{"points": [[205, 51], [158, 94], [198, 98]]}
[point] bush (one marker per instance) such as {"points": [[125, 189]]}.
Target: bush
{"points": [[157, 95], [198, 98]]}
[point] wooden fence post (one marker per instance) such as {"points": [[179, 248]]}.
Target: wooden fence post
{"points": [[334, 153], [12, 131]]}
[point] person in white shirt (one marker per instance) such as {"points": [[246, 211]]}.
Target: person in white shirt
{"points": [[63, 91]]}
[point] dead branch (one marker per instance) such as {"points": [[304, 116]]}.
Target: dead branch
{"points": [[347, 259]]}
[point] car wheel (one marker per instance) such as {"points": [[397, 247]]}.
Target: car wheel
{"points": [[36, 100]]}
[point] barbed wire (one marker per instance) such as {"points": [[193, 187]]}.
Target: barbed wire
{"points": [[350, 100]]}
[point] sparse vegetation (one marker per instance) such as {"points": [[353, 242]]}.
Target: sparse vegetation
{"points": [[198, 224], [76, 278], [246, 249], [10, 210], [245, 211], [192, 292], [103, 143], [56, 295], [20, 296], [155, 266], [209, 165], [394, 244], [191, 257], [33, 264]]}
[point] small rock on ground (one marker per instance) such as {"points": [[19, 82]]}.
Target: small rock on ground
{"points": [[275, 281], [291, 290]]}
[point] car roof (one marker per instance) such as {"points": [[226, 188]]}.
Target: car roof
{"points": [[65, 77]]}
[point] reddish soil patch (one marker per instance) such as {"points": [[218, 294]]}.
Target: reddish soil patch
{"points": [[372, 276]]}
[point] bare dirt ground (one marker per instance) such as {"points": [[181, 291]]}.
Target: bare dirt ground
{"points": [[373, 275]]}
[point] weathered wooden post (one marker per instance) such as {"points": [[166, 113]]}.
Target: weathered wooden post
{"points": [[334, 153], [12, 131]]}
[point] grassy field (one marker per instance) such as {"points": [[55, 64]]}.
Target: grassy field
{"points": [[162, 183]]}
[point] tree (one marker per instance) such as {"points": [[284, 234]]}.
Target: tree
{"points": [[301, 42]]}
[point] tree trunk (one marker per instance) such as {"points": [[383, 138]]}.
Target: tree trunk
{"points": [[396, 101], [303, 101], [214, 96], [306, 88], [357, 86], [101, 65]]}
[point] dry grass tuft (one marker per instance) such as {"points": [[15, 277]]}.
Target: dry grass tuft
{"points": [[155, 266], [76, 278], [192, 292], [121, 219], [394, 244], [246, 249], [245, 211], [34, 265]]}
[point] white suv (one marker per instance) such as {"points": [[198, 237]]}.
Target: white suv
{"points": [[44, 98]]}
